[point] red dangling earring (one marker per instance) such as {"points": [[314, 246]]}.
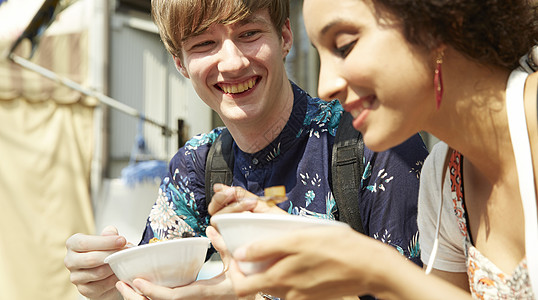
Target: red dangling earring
{"points": [[438, 82]]}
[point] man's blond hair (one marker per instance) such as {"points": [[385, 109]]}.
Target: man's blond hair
{"points": [[178, 20]]}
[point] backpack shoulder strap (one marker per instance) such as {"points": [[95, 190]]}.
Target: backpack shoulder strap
{"points": [[219, 164], [347, 167]]}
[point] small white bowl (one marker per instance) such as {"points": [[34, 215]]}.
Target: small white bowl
{"points": [[170, 263], [238, 229]]}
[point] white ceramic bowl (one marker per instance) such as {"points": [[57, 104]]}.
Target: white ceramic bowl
{"points": [[242, 228], [170, 263]]}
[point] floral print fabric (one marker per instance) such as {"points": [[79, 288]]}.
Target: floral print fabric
{"points": [[486, 280]]}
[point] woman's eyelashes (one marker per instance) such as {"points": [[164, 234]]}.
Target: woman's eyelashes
{"points": [[344, 50]]}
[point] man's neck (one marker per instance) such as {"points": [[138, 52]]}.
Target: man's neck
{"points": [[254, 135]]}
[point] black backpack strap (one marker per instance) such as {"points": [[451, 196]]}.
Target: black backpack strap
{"points": [[219, 164], [347, 168]]}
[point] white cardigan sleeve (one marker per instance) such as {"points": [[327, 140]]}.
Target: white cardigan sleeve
{"points": [[450, 254]]}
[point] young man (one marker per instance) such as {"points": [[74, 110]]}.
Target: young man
{"points": [[233, 52]]}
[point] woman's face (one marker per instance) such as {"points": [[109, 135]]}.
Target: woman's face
{"points": [[366, 63]]}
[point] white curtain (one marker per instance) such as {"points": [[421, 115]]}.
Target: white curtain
{"points": [[46, 144]]}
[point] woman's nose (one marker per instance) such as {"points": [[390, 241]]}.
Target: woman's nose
{"points": [[232, 57], [331, 86]]}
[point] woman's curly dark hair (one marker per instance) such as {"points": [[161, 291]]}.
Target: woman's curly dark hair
{"points": [[494, 32]]}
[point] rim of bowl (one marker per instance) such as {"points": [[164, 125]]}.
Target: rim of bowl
{"points": [[274, 217], [199, 239]]}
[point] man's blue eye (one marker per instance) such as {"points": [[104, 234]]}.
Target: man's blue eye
{"points": [[203, 44], [250, 33]]}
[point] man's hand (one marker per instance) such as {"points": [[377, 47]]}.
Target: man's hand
{"points": [[85, 260], [218, 287], [236, 199]]}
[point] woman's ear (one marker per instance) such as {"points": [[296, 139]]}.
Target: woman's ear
{"points": [[179, 66]]}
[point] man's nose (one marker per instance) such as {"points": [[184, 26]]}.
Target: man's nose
{"points": [[232, 57]]}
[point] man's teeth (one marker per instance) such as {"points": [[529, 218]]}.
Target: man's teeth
{"points": [[238, 88]]}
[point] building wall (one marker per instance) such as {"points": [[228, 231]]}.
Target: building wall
{"points": [[143, 76]]}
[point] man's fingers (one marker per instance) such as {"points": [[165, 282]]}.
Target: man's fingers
{"points": [[217, 187], [231, 200], [84, 243], [99, 273], [218, 287], [241, 193], [221, 198], [109, 230], [98, 289], [86, 260], [245, 204]]}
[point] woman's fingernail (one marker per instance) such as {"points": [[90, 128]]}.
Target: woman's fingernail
{"points": [[138, 283], [120, 241], [119, 286], [210, 232]]}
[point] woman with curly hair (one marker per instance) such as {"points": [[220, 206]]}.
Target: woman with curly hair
{"points": [[449, 68]]}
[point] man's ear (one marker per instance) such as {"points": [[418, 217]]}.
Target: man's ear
{"points": [[287, 38], [179, 67]]}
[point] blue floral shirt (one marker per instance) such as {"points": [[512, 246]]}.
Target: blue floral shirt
{"points": [[300, 159]]}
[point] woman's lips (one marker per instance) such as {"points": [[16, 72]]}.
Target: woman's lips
{"points": [[359, 109], [356, 107]]}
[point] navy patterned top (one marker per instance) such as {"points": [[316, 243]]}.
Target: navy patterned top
{"points": [[300, 159]]}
